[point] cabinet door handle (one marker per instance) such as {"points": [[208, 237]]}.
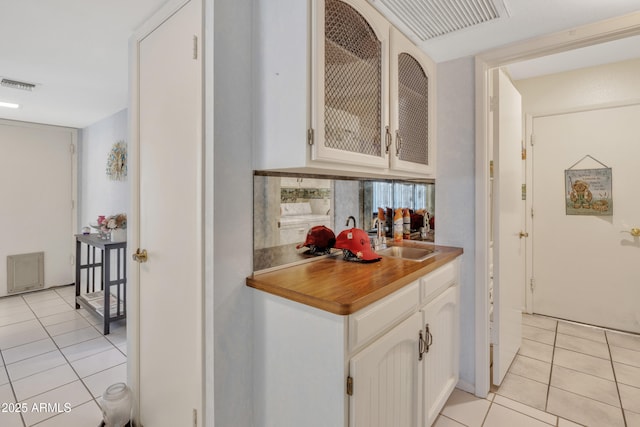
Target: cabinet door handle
{"points": [[429, 341], [421, 345], [398, 143], [387, 139]]}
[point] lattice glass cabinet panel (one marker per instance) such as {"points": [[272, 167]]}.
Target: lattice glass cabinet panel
{"points": [[353, 82]]}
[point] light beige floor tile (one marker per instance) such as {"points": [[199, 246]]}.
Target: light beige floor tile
{"points": [[43, 382], [538, 334], [26, 351], [54, 309], [582, 345], [500, 416], [11, 419], [585, 385], [21, 333], [630, 397], [37, 305], [524, 390], [98, 362], [443, 421], [527, 410], [44, 295], [4, 378], [75, 337], [533, 369], [626, 356], [68, 326], [72, 395], [98, 383], [21, 316], [11, 302], [466, 408], [86, 348], [583, 410], [86, 414], [582, 331], [633, 419], [627, 374], [123, 348], [6, 394], [619, 339], [539, 321], [35, 364], [60, 317], [583, 363], [536, 350], [566, 423]]}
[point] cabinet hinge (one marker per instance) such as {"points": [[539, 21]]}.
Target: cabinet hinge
{"points": [[349, 386], [310, 136], [532, 284], [195, 47], [72, 149], [524, 153], [195, 418], [532, 140], [524, 191], [531, 212], [493, 103]]}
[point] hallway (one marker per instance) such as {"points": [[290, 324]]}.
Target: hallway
{"points": [[565, 373], [53, 354]]}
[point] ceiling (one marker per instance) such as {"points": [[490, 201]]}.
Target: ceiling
{"points": [[76, 51]]}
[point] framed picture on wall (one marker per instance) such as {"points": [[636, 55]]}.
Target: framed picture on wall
{"points": [[588, 192]]}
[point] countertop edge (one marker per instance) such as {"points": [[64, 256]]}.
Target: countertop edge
{"points": [[446, 255]]}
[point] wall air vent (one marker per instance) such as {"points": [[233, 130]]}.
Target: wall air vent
{"points": [[427, 19], [15, 84]]}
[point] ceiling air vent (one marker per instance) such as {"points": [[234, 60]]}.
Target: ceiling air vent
{"points": [[15, 84], [427, 19]]}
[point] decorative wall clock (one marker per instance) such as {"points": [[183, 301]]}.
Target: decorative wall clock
{"points": [[117, 162]]}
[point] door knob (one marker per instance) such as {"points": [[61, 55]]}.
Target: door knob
{"points": [[524, 234], [140, 255], [635, 232]]}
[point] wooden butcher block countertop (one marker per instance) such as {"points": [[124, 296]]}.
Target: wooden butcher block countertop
{"points": [[344, 287]]}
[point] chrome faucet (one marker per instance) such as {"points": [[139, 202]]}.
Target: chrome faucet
{"points": [[349, 219]]}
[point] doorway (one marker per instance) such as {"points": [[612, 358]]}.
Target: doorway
{"points": [[592, 34]]}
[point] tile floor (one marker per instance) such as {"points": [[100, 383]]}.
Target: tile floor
{"points": [[51, 353], [565, 375]]}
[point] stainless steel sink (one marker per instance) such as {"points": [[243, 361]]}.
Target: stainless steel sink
{"points": [[407, 252]]}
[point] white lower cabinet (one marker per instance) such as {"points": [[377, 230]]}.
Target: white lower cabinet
{"points": [[393, 363], [386, 378], [442, 355]]}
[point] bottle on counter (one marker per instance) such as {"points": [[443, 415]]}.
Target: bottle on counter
{"points": [[397, 225], [406, 224]]}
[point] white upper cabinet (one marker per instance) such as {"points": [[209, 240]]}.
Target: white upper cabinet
{"points": [[349, 76], [412, 118], [339, 90]]}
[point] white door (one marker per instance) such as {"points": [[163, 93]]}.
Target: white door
{"points": [[585, 267], [169, 216], [386, 377], [508, 246]]}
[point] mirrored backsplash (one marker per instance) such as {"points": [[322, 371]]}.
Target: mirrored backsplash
{"points": [[287, 206]]}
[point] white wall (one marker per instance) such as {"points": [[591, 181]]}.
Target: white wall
{"points": [[36, 191], [233, 215], [97, 194], [455, 192], [581, 88]]}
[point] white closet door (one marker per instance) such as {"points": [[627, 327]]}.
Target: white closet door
{"points": [[509, 244], [169, 218]]}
